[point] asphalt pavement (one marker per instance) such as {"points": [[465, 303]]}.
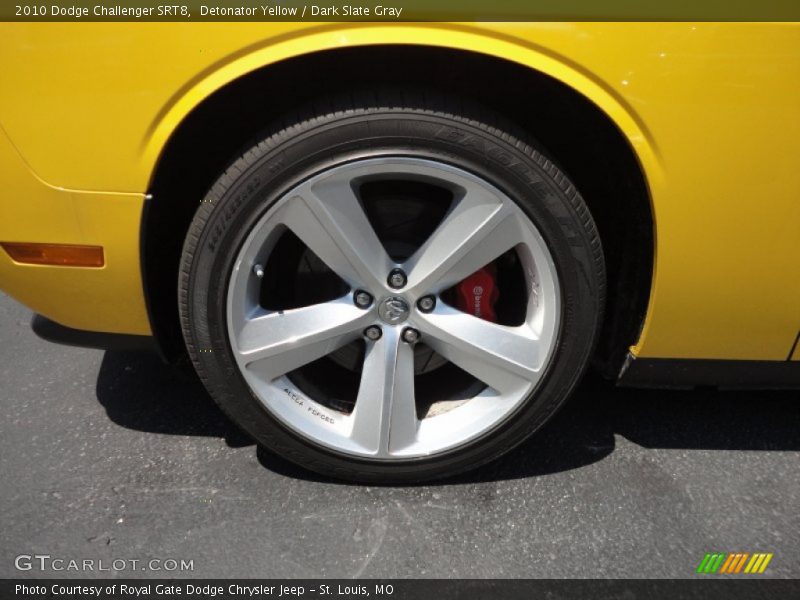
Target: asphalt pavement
{"points": [[109, 456]]}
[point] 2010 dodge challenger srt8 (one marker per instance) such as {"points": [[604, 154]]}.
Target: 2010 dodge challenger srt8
{"points": [[391, 250]]}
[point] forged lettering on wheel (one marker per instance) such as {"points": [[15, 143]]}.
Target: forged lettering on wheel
{"points": [[300, 401], [295, 397], [321, 415]]}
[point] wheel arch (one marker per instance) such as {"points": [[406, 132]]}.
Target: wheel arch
{"points": [[213, 117]]}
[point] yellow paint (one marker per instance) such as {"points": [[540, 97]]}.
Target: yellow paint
{"points": [[101, 299], [795, 351], [710, 110]]}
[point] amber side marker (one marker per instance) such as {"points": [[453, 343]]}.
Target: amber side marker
{"points": [[64, 255]]}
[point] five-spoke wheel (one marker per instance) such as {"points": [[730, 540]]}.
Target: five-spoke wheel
{"points": [[327, 214]]}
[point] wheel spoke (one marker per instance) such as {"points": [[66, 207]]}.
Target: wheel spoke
{"points": [[384, 417], [504, 358], [475, 232], [329, 219], [274, 343]]}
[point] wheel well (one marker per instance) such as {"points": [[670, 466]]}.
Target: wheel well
{"points": [[585, 142]]}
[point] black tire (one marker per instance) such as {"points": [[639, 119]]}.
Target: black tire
{"points": [[469, 137]]}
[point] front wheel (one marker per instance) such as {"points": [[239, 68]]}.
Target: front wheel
{"points": [[391, 291]]}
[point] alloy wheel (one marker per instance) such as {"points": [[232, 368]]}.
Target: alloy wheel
{"points": [[393, 306]]}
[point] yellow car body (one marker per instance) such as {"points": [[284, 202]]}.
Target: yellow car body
{"points": [[711, 112]]}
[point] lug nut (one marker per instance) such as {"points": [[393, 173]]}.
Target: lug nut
{"points": [[362, 299], [410, 335], [373, 332], [426, 303], [397, 278], [258, 270]]}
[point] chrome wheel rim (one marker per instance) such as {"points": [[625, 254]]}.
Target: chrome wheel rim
{"points": [[326, 214]]}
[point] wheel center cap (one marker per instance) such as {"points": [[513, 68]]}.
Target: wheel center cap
{"points": [[393, 310]]}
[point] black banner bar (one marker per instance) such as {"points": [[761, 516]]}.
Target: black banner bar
{"points": [[399, 589]]}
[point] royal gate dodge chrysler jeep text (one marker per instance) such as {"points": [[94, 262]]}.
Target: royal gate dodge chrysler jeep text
{"points": [[391, 250]]}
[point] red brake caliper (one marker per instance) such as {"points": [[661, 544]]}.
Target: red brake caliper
{"points": [[478, 294]]}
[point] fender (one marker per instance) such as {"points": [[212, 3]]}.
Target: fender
{"points": [[457, 37]]}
